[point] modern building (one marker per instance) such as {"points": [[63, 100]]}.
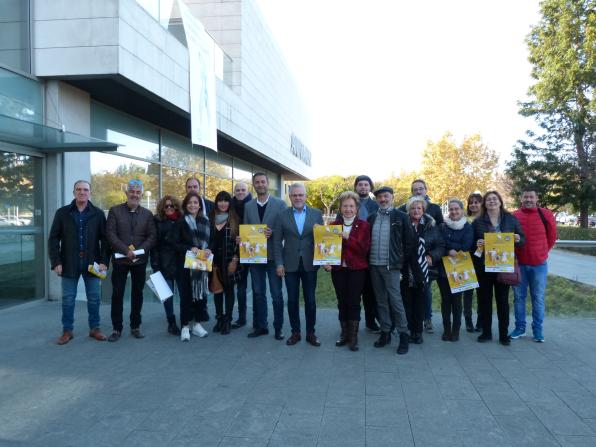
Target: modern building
{"points": [[100, 90]]}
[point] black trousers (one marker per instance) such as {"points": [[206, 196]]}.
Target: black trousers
{"points": [[137, 278], [450, 304], [218, 298], [189, 309], [414, 302], [489, 285], [348, 288], [468, 298], [369, 300]]}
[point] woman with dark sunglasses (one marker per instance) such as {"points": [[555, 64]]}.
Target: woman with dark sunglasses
{"points": [[163, 254]]}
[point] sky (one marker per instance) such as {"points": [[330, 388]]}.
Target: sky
{"points": [[380, 78]]}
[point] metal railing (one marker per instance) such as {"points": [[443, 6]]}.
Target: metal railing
{"points": [[570, 243]]}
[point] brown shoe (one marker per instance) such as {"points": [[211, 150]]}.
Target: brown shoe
{"points": [[294, 338], [96, 334], [66, 337], [313, 340]]}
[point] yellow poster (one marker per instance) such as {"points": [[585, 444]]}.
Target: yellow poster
{"points": [[499, 252], [327, 245], [460, 272], [199, 261], [253, 244]]}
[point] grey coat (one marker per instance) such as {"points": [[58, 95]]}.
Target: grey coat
{"points": [[295, 246], [251, 216]]}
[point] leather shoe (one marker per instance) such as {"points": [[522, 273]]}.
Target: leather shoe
{"points": [[136, 333], [279, 334], [294, 338], [313, 340], [96, 334], [483, 338], [238, 323], [65, 338], [258, 333]]}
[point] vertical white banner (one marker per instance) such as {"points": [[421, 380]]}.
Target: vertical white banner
{"points": [[203, 118]]}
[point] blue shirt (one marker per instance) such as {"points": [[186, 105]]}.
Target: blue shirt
{"points": [[299, 218]]}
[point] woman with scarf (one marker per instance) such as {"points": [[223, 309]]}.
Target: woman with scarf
{"points": [[472, 211], [429, 252], [191, 234], [163, 254], [349, 277], [458, 236], [224, 230], [494, 218]]}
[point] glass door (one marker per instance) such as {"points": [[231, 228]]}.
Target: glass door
{"points": [[22, 245]]}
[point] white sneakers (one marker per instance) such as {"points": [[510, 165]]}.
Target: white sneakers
{"points": [[199, 331], [185, 333]]}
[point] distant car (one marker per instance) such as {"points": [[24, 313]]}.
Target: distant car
{"points": [[592, 221], [572, 219]]}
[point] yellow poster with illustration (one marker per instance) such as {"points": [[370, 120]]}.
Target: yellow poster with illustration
{"points": [[253, 244], [460, 272], [198, 261], [499, 252], [327, 245]]}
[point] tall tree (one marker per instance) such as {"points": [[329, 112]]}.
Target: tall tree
{"points": [[455, 170], [323, 192], [560, 157]]}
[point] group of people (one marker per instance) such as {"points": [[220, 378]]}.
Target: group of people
{"points": [[390, 256]]}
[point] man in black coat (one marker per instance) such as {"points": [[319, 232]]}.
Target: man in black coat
{"points": [[78, 240], [241, 198]]}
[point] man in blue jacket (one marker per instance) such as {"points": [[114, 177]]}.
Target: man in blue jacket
{"points": [[77, 240]]}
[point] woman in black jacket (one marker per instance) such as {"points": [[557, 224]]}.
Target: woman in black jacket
{"points": [[428, 256], [224, 230], [493, 219], [458, 236], [191, 234], [163, 254]]}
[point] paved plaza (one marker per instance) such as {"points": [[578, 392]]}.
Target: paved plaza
{"points": [[234, 391]]}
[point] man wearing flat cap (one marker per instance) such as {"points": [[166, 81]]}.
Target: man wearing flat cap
{"points": [[393, 243]]}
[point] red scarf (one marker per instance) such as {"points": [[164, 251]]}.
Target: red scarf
{"points": [[174, 216]]}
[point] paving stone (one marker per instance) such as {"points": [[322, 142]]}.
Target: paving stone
{"points": [[577, 441], [526, 431], [389, 436], [560, 419]]}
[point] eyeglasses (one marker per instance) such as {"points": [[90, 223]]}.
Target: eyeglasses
{"points": [[169, 205], [135, 183]]}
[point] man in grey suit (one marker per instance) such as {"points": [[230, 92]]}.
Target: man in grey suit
{"points": [[294, 260], [265, 209]]}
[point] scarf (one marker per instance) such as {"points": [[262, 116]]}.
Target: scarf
{"points": [[420, 254], [200, 235], [455, 225], [174, 216], [221, 218]]}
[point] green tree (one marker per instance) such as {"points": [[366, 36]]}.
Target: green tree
{"points": [[455, 170], [323, 192], [560, 158]]}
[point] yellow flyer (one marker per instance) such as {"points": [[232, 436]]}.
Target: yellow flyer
{"points": [[253, 244], [199, 261], [460, 272], [327, 245], [499, 252]]}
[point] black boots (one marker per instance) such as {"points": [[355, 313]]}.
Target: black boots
{"points": [[416, 338], [404, 339], [218, 324], [172, 326], [384, 339], [455, 333], [446, 329], [353, 334], [343, 337], [469, 324], [225, 326]]}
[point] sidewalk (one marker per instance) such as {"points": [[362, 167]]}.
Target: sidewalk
{"points": [[235, 391]]}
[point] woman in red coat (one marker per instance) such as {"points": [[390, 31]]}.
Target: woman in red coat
{"points": [[349, 277]]}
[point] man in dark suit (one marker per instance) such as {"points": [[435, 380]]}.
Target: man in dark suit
{"points": [[294, 260], [264, 209]]}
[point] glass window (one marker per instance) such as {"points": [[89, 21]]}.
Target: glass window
{"points": [[213, 185], [110, 175], [15, 48], [21, 227], [173, 181], [137, 137], [20, 97], [218, 164], [178, 151]]}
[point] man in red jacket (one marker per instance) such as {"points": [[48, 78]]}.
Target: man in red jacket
{"points": [[540, 229]]}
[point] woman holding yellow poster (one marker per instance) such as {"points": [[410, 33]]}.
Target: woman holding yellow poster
{"points": [[493, 219]]}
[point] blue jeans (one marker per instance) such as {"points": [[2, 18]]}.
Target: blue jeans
{"points": [[69, 293], [258, 274], [309, 285], [533, 276]]}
